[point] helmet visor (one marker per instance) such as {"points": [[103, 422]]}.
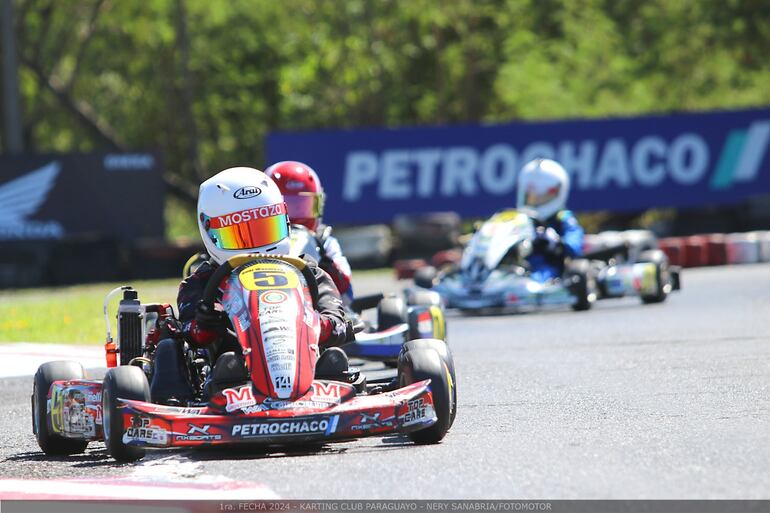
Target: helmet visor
{"points": [[304, 205], [533, 199], [248, 229]]}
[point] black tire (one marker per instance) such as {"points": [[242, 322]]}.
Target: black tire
{"points": [[417, 365], [438, 322], [425, 277], [659, 258], [391, 312], [127, 382], [50, 443], [442, 348], [581, 284]]}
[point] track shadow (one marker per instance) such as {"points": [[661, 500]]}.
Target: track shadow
{"points": [[88, 459], [611, 304], [257, 452]]}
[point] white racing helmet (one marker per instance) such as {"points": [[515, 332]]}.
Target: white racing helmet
{"points": [[542, 189], [241, 210]]}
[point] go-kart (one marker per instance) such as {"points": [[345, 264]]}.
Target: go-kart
{"points": [[398, 319], [494, 273], [272, 393]]}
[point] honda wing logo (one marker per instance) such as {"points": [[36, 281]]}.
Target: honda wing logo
{"points": [[21, 198]]}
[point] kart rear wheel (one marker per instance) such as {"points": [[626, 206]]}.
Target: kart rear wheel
{"points": [[659, 258], [582, 285], [442, 348], [126, 382], [46, 374], [425, 363], [391, 312], [437, 322]]}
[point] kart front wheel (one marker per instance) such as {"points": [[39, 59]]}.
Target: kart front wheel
{"points": [[48, 441], [442, 348], [659, 258], [125, 382], [581, 284], [421, 364]]}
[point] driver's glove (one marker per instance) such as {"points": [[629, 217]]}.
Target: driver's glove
{"points": [[208, 317], [209, 324], [548, 240]]}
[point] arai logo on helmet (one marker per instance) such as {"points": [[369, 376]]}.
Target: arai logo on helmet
{"points": [[247, 192]]}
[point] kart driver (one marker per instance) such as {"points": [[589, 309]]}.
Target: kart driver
{"points": [[304, 198], [231, 191], [542, 191]]}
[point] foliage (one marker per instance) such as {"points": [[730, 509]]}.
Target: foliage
{"points": [[205, 81]]}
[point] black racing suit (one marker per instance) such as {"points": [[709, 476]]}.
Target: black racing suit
{"points": [[168, 382], [334, 324]]}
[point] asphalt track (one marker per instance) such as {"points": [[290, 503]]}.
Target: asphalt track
{"points": [[624, 401]]}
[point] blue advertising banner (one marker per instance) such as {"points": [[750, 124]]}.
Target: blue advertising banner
{"points": [[622, 164]]}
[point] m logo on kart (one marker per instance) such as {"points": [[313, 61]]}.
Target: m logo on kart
{"points": [[238, 398]]}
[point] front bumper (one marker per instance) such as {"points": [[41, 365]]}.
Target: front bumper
{"points": [[403, 410]]}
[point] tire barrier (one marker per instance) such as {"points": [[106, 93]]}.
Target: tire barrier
{"points": [[695, 251], [405, 269], [716, 249], [673, 247], [447, 257], [742, 248], [688, 251]]}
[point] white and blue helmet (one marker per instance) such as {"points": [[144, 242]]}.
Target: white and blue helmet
{"points": [[542, 189]]}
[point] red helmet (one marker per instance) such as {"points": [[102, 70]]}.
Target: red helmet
{"points": [[301, 190]]}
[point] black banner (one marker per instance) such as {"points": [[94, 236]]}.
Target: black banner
{"points": [[55, 196]]}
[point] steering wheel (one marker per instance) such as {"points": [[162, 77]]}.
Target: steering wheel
{"points": [[223, 271]]}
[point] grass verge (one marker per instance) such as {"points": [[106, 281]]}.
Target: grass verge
{"points": [[69, 314], [74, 314]]}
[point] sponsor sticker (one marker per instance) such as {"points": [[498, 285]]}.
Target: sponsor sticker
{"points": [[248, 215], [418, 413], [279, 338], [286, 427], [370, 421], [78, 420], [238, 398], [327, 392], [247, 192], [268, 277], [142, 431], [197, 433], [273, 297]]}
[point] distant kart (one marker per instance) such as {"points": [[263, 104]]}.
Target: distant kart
{"points": [[493, 273], [398, 319], [278, 397]]}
